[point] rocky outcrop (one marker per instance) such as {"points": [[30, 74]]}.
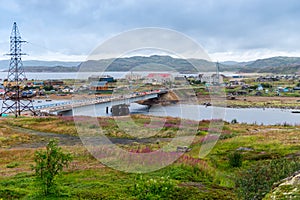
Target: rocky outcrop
{"points": [[288, 188]]}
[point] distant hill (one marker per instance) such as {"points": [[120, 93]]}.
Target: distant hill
{"points": [[50, 69], [155, 63], [279, 64], [280, 70], [152, 63], [235, 63], [4, 64], [279, 61], [230, 63]]}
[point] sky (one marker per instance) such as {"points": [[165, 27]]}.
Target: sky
{"points": [[69, 30]]}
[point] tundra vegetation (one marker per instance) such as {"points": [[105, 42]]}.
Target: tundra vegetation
{"points": [[244, 164]]}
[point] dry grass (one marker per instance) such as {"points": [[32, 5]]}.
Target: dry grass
{"points": [[19, 160], [10, 137]]}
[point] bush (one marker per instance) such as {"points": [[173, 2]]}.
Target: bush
{"points": [[257, 181], [235, 159], [153, 188], [49, 164]]}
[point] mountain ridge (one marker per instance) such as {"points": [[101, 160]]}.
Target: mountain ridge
{"points": [[278, 64]]}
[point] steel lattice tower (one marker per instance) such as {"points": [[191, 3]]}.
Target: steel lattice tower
{"points": [[13, 100]]}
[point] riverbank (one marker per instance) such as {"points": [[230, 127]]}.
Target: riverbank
{"points": [[254, 102]]}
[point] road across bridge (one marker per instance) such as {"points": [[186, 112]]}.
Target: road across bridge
{"points": [[106, 102]]}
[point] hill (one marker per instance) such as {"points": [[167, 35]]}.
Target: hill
{"points": [[34, 65], [278, 64], [50, 69], [283, 65], [153, 63]]}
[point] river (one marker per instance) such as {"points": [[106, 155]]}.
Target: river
{"points": [[60, 75], [267, 116], [74, 75]]}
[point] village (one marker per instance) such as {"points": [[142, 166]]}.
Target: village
{"points": [[235, 85]]}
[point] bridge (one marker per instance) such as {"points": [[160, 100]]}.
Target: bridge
{"points": [[106, 102]]}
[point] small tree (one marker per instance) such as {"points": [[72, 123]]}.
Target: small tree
{"points": [[49, 164]]}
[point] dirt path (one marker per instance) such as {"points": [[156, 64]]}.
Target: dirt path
{"points": [[64, 140], [69, 140]]}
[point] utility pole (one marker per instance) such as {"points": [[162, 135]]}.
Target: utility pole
{"points": [[217, 73], [14, 101]]}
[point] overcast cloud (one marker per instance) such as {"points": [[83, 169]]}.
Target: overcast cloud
{"points": [[226, 29]]}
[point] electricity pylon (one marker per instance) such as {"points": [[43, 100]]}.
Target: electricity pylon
{"points": [[15, 100]]}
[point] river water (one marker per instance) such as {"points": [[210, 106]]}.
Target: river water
{"points": [[73, 75], [267, 116]]}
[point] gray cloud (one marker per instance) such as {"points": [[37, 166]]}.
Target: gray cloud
{"points": [[75, 27]]}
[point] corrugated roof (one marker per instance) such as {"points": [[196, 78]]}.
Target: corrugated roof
{"points": [[98, 83], [162, 75]]}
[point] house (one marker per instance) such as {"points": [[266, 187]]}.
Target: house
{"points": [[217, 78], [95, 78], [205, 78], [53, 82], [211, 78], [99, 87], [37, 83], [133, 76], [67, 89], [160, 77], [107, 78], [181, 80]]}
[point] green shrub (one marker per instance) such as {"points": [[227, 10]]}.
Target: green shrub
{"points": [[235, 159], [257, 181], [49, 164], [162, 187]]}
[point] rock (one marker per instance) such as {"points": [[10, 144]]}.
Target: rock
{"points": [[244, 149], [288, 188]]}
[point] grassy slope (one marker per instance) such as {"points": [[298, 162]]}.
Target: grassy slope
{"points": [[210, 178]]}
